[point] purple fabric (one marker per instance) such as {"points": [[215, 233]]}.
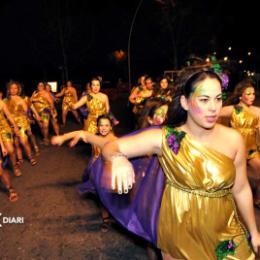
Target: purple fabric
{"points": [[137, 211]]}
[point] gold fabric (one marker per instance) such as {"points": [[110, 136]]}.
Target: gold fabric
{"points": [[19, 116], [197, 210], [247, 124], [96, 108], [5, 129], [41, 105], [39, 102], [68, 100]]}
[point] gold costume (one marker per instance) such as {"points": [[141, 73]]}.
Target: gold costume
{"points": [[96, 108], [247, 124], [41, 105], [68, 100], [5, 129], [198, 214], [19, 116]]}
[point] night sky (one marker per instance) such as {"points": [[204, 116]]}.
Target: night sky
{"points": [[31, 33]]}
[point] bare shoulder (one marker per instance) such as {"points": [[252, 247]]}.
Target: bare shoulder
{"points": [[103, 95], [229, 135], [256, 109]]}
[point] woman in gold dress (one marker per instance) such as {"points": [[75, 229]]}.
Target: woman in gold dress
{"points": [[205, 170], [44, 106], [31, 120], [54, 115], [7, 132], [244, 117], [97, 104], [18, 109], [70, 97], [140, 94], [4, 176]]}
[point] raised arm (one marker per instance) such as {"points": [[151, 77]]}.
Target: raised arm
{"points": [[84, 136], [119, 171], [242, 192], [80, 103], [60, 94]]}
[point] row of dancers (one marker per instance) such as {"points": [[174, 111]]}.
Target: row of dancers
{"points": [[182, 184]]}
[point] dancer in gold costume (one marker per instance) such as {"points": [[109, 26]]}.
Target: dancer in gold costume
{"points": [[18, 108], [97, 104], [30, 111], [140, 93], [244, 117], [70, 97], [44, 106], [4, 176], [54, 115], [205, 170], [7, 133]]}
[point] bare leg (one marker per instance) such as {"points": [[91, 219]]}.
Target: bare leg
{"points": [[76, 115], [254, 176], [45, 131], [19, 152], [33, 142], [24, 141], [152, 252], [55, 126], [12, 155], [64, 116], [168, 257], [5, 178], [106, 219]]}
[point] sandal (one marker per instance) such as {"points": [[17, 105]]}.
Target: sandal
{"points": [[32, 161], [17, 171], [105, 225], [20, 161], [12, 195]]}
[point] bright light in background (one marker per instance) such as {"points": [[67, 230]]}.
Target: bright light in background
{"points": [[54, 86], [226, 58], [249, 53], [229, 48], [240, 61], [208, 60], [214, 53]]}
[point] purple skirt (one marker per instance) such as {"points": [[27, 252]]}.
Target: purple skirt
{"points": [[137, 211]]}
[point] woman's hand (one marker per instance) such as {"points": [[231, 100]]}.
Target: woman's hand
{"points": [[255, 240], [122, 174], [57, 140], [83, 135]]}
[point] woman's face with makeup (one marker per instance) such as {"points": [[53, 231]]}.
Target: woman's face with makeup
{"points": [[205, 102], [248, 96]]}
